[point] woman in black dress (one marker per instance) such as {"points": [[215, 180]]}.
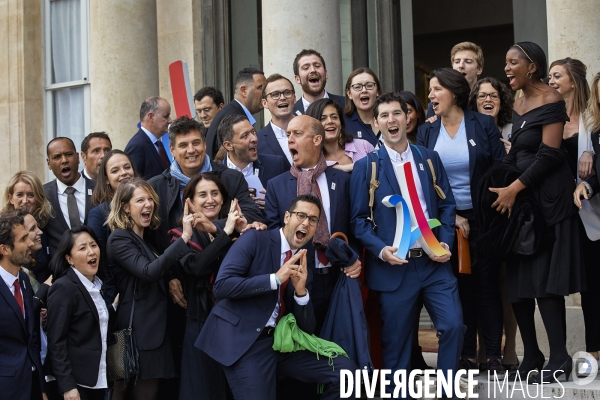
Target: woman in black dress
{"points": [[554, 270]]}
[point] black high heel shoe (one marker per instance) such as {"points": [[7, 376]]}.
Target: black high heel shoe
{"points": [[524, 369], [551, 376]]}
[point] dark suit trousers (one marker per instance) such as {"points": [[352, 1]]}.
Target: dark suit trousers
{"points": [[438, 286], [254, 375]]}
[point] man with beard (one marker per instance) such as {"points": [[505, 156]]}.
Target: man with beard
{"points": [[246, 101], [240, 140], [21, 366], [70, 194], [310, 72], [278, 97]]}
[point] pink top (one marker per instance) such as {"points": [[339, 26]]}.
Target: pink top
{"points": [[358, 148]]}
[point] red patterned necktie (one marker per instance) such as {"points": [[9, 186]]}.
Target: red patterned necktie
{"points": [[18, 297], [162, 153], [288, 255], [321, 252]]}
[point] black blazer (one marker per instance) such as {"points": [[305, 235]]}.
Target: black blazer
{"points": [[58, 225], [212, 139], [594, 180], [268, 144], [19, 342], [299, 107], [144, 156], [74, 340], [130, 258], [484, 145]]}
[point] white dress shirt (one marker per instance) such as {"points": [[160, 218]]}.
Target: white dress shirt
{"points": [[152, 138], [247, 171], [285, 246], [79, 194], [93, 289], [10, 279], [305, 102], [282, 139]]}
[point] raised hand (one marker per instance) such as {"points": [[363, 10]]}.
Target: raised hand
{"points": [[299, 278], [290, 268], [188, 222], [241, 223]]}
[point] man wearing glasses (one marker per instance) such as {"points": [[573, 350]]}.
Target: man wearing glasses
{"points": [[278, 97], [311, 175], [208, 101]]}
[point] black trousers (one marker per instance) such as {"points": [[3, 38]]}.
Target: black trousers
{"points": [[479, 294]]}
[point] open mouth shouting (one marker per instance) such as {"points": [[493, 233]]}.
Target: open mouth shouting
{"points": [[66, 172], [93, 263], [393, 132], [301, 236], [294, 154], [511, 80], [364, 100], [435, 105], [146, 216], [283, 105]]}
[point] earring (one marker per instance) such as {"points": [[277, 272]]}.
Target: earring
{"points": [[528, 75]]}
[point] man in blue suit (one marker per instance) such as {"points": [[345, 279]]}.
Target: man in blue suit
{"points": [[145, 149], [21, 376], [400, 281], [310, 72], [239, 139], [310, 174], [278, 97], [259, 281]]}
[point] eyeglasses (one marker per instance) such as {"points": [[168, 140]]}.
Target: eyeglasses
{"points": [[312, 221], [276, 95], [357, 87], [484, 95]]}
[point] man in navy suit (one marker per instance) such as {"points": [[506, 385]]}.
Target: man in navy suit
{"points": [[278, 97], [240, 141], [21, 376], [258, 273], [332, 186], [246, 101], [145, 149], [310, 72], [400, 281]]}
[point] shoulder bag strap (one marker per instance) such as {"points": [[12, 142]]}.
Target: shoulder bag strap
{"points": [[373, 185], [133, 303], [437, 188]]}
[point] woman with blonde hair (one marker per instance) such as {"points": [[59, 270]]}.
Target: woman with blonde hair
{"points": [[24, 189], [138, 275]]}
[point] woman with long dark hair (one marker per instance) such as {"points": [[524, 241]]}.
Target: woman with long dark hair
{"points": [[415, 116]]}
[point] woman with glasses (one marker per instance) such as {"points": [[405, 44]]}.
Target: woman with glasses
{"points": [[340, 148], [468, 144], [491, 97], [362, 89]]}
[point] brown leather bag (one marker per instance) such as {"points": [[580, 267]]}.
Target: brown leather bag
{"points": [[464, 253]]}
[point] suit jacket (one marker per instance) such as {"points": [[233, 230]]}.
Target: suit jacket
{"points": [[19, 342], [58, 225], [299, 106], [212, 139], [131, 258], [245, 298], [268, 144], [483, 137], [380, 275], [283, 189], [144, 156], [268, 167], [594, 180], [74, 340]]}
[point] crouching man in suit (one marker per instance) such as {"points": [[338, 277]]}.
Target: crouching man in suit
{"points": [[258, 272]]}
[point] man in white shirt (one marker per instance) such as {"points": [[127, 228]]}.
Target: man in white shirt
{"points": [[398, 280], [70, 194]]}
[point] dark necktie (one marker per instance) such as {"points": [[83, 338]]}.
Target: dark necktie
{"points": [[72, 208], [162, 153], [18, 297], [288, 255]]}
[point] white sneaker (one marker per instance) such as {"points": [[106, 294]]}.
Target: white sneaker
{"points": [[585, 369]]}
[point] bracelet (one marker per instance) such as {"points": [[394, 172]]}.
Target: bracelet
{"points": [[296, 294], [277, 280], [590, 151]]}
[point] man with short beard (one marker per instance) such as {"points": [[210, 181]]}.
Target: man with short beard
{"points": [[19, 324], [310, 72]]}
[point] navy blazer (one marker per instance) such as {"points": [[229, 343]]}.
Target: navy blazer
{"points": [[212, 139], [267, 165], [19, 342], [144, 156], [593, 180], [299, 106], [283, 189], [245, 298], [483, 137], [268, 144], [358, 129], [380, 275], [58, 225]]}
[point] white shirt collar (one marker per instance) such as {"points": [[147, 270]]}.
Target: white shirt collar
{"points": [[285, 246], [305, 102], [399, 157], [279, 132], [9, 278], [150, 135], [247, 171], [79, 185], [89, 285]]}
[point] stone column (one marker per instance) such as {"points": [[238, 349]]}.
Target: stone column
{"points": [[21, 89], [123, 64], [309, 24], [573, 31]]}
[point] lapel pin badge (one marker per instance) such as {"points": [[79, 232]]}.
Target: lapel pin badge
{"points": [[255, 171], [89, 192], [298, 112], [332, 185], [359, 134], [523, 124], [472, 142], [421, 167]]}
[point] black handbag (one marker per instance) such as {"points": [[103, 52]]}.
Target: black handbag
{"points": [[122, 359], [527, 238]]}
